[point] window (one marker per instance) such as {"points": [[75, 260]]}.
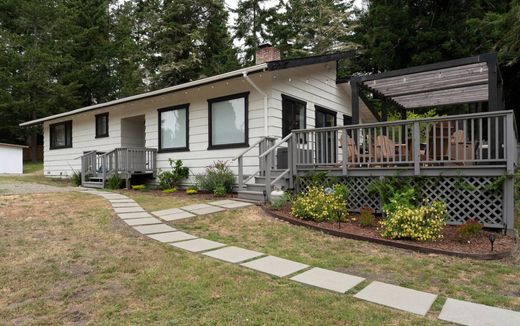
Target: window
{"points": [[61, 135], [102, 125], [347, 120], [228, 125], [174, 129], [324, 117], [293, 114]]}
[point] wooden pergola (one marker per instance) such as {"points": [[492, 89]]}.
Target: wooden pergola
{"points": [[468, 80]]}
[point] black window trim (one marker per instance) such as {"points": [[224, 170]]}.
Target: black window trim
{"points": [[172, 108], [290, 98], [68, 135], [105, 134], [245, 96], [319, 108], [344, 118]]}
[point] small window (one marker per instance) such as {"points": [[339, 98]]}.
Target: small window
{"points": [[228, 125], [102, 125], [174, 129], [60, 135], [293, 114], [347, 120]]}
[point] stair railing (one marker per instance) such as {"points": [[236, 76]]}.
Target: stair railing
{"points": [[263, 144], [268, 158]]}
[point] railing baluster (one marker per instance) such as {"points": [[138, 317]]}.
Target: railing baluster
{"points": [[472, 126], [497, 139], [480, 139]]}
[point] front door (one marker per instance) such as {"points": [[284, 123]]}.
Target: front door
{"points": [[325, 141]]}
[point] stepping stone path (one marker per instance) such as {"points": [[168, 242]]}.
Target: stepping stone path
{"points": [[417, 302], [413, 301], [326, 279], [275, 266], [468, 313]]}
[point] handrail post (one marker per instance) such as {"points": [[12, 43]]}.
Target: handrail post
{"points": [[292, 159], [267, 159], [510, 142], [240, 173], [416, 145], [344, 152]]}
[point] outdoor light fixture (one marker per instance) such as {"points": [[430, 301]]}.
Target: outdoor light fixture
{"points": [[339, 218], [492, 239]]}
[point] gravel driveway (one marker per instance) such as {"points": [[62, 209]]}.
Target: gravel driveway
{"points": [[30, 188]]}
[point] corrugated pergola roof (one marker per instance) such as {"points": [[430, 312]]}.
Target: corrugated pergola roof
{"points": [[466, 80]]}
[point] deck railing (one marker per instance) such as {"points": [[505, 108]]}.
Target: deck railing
{"points": [[461, 141], [120, 160]]}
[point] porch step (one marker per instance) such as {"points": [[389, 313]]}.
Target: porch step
{"points": [[93, 184], [256, 196]]}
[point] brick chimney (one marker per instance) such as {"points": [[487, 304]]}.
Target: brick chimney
{"points": [[265, 53]]}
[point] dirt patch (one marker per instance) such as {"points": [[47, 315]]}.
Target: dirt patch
{"points": [[449, 242], [202, 195]]}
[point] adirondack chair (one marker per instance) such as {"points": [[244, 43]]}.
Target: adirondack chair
{"points": [[459, 151], [351, 148]]}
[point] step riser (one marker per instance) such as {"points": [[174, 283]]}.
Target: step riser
{"points": [[97, 185], [249, 196]]}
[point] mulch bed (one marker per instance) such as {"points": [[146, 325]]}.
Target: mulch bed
{"points": [[479, 247]]}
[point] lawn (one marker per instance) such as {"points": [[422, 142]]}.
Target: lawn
{"points": [[81, 264]]}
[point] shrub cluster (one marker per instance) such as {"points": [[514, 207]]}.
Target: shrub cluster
{"points": [[321, 204], [114, 182], [170, 179], [422, 223], [217, 179], [468, 230], [138, 187], [366, 216]]}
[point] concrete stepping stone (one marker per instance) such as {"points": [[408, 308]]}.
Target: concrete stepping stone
{"points": [[177, 216], [193, 207], [129, 204], [198, 245], [207, 210], [468, 313], [114, 196], [233, 254], [171, 236], [275, 266], [168, 212], [327, 279], [154, 228], [128, 200], [134, 209], [230, 204], [134, 215], [397, 297], [142, 221]]}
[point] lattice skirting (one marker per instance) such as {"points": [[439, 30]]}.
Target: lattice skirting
{"points": [[465, 197]]}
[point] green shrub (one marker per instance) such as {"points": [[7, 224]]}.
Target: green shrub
{"points": [[366, 216], [218, 174], [138, 187], [219, 191], [320, 205], [405, 197], [169, 190], [114, 182], [280, 203], [170, 179], [75, 178], [469, 229], [421, 223]]}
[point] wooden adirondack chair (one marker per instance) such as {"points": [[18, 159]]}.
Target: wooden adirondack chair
{"points": [[458, 151]]}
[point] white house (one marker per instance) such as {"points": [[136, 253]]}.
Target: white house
{"points": [[11, 158], [206, 120]]}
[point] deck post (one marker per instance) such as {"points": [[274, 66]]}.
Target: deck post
{"points": [[240, 173], [508, 203], [267, 177], [511, 144], [344, 152], [416, 145]]}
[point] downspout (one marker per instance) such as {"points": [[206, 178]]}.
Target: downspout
{"points": [[266, 114]]}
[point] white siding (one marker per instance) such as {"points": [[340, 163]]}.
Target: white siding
{"points": [[314, 84], [11, 159]]}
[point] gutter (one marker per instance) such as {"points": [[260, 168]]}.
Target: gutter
{"points": [[266, 109]]}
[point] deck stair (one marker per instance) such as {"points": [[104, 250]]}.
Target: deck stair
{"points": [[255, 190], [97, 167]]}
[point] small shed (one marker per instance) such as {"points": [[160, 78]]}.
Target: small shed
{"points": [[11, 158]]}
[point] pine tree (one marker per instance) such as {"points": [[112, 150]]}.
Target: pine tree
{"points": [[250, 27]]}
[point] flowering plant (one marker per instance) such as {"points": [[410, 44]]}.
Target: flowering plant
{"points": [[319, 205]]}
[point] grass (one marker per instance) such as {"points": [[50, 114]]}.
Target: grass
{"points": [[30, 167], [494, 283], [83, 265]]}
